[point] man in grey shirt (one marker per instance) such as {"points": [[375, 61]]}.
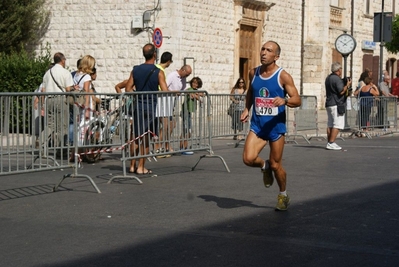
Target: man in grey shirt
{"points": [[335, 93]]}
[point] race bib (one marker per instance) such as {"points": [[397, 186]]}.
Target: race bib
{"points": [[265, 107]]}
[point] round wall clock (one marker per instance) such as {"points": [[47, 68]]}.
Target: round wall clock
{"points": [[345, 44]]}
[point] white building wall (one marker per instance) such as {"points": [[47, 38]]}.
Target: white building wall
{"points": [[283, 25], [205, 30], [202, 30]]}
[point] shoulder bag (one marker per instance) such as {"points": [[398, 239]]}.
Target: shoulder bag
{"points": [[78, 96], [70, 98]]}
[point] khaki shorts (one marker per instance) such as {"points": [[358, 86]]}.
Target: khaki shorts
{"points": [[334, 119]]}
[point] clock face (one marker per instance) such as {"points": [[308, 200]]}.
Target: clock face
{"points": [[345, 44]]}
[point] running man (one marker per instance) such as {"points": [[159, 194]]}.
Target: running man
{"points": [[267, 95]]}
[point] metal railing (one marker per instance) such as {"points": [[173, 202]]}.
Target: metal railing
{"points": [[41, 131]]}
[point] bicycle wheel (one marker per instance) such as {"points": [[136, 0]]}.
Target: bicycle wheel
{"points": [[115, 125], [91, 138]]}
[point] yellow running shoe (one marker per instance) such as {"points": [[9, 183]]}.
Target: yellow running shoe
{"points": [[282, 202], [267, 175]]}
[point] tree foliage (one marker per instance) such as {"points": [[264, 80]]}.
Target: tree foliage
{"points": [[393, 45], [22, 24], [21, 72]]}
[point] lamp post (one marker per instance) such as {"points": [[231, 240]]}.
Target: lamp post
{"points": [[381, 41]]}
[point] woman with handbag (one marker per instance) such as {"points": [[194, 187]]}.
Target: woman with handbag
{"points": [[82, 80], [237, 97]]}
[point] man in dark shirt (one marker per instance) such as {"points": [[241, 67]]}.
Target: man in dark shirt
{"points": [[335, 93], [145, 78]]}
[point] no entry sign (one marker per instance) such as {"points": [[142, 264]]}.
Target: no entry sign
{"points": [[157, 37]]}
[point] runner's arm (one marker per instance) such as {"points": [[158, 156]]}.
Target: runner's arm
{"points": [[289, 86]]}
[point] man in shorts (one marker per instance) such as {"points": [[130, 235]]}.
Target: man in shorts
{"points": [[146, 78], [176, 81], [267, 92], [335, 93], [163, 113]]}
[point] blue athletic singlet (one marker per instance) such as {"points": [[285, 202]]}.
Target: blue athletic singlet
{"points": [[268, 121]]}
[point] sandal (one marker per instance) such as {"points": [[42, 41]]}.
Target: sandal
{"points": [[144, 173]]}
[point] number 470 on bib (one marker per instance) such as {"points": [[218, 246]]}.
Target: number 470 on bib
{"points": [[265, 107]]}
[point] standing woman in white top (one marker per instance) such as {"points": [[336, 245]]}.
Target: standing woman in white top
{"points": [[82, 78]]}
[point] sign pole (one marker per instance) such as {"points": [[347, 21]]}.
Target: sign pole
{"points": [[381, 42]]}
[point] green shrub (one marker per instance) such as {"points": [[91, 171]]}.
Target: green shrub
{"points": [[20, 73]]}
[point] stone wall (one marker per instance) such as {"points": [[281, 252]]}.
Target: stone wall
{"points": [[283, 24], [202, 30], [206, 30]]}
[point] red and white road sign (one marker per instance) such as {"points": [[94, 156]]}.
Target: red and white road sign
{"points": [[157, 37]]}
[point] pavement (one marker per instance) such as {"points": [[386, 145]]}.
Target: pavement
{"points": [[343, 212]]}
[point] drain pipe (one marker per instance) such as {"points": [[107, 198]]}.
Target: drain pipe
{"points": [[302, 47], [352, 31]]}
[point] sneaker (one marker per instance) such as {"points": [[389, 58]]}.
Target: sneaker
{"points": [[161, 156], [282, 202], [267, 175], [333, 146], [161, 150], [187, 153]]}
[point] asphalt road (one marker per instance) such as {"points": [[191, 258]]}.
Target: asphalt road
{"points": [[344, 211]]}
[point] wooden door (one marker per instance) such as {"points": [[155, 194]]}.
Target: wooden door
{"points": [[247, 50]]}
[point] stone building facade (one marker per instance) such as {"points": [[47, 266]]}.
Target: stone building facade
{"points": [[220, 39]]}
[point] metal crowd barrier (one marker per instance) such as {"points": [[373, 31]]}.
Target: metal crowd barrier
{"points": [[364, 114], [191, 129], [33, 132], [226, 117], [92, 137], [42, 131], [305, 118], [225, 123]]}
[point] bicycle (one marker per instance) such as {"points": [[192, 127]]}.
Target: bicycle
{"points": [[100, 131], [103, 128]]}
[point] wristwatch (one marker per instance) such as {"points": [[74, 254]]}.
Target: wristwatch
{"points": [[286, 101]]}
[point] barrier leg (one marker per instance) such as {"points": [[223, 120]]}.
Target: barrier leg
{"points": [[70, 175], [124, 176], [211, 156]]}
